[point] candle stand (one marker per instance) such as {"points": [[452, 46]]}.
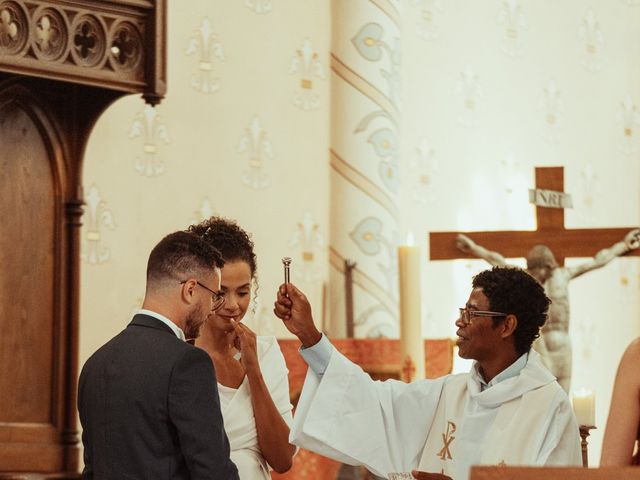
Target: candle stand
{"points": [[584, 433]]}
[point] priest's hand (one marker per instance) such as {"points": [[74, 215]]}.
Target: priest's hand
{"points": [[293, 308], [429, 476]]}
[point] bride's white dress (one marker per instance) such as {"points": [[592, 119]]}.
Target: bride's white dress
{"points": [[237, 411]]}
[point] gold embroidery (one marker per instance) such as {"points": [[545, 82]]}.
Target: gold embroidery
{"points": [[447, 438]]}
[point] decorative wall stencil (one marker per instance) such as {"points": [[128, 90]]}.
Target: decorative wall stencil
{"points": [[470, 93], [510, 166], [423, 169], [586, 339], [629, 122], [259, 6], [628, 277], [427, 27], [385, 144], [97, 216], [307, 65], [370, 45], [369, 237], [255, 143], [512, 19], [309, 240], [364, 188], [149, 127], [203, 212], [553, 108], [592, 40], [205, 45], [590, 186]]}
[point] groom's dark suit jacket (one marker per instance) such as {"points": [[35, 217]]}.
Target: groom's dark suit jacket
{"points": [[150, 409]]}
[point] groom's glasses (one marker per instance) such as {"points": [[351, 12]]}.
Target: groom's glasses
{"points": [[218, 297]]}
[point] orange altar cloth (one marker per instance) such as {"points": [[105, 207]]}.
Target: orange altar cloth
{"points": [[381, 359]]}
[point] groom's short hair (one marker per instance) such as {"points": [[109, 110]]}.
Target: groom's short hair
{"points": [[181, 255]]}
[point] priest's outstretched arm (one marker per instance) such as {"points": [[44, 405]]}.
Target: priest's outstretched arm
{"points": [[343, 413]]}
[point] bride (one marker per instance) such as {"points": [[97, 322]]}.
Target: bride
{"points": [[251, 372]]}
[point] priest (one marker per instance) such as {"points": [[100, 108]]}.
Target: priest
{"points": [[508, 410]]}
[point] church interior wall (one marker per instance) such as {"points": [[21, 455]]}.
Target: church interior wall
{"points": [[490, 90]]}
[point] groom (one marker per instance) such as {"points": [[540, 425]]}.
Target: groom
{"points": [[148, 400]]}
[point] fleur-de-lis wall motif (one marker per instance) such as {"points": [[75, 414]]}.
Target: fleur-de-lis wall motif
{"points": [[149, 127], [424, 167], [203, 212], [590, 186], [629, 121], [427, 27], [259, 6], [512, 18], [308, 239], [470, 93], [510, 166], [255, 142], [370, 44], [553, 107], [307, 65], [592, 41], [205, 44], [369, 238], [96, 217]]}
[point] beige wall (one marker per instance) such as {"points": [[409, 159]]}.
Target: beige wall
{"points": [[491, 89]]}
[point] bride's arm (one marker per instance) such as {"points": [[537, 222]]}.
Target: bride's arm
{"points": [[273, 432]]}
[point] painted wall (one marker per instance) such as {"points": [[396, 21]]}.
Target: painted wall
{"points": [[489, 90]]}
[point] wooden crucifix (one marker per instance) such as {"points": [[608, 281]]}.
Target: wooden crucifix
{"points": [[603, 244], [579, 242]]}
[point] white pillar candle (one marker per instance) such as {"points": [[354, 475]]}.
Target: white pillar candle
{"points": [[584, 407], [411, 340]]}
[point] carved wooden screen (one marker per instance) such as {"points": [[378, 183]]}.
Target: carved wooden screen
{"points": [[31, 300], [62, 62]]}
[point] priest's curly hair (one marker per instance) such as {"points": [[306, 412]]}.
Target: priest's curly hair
{"points": [[513, 291], [231, 241]]}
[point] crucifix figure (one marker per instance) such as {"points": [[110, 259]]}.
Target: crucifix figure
{"points": [[602, 245]]}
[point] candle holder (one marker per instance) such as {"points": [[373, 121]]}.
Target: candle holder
{"points": [[584, 433]]}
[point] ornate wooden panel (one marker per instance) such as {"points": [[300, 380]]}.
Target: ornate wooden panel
{"points": [[108, 44], [62, 63]]}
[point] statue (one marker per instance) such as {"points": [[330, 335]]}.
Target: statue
{"points": [[554, 344]]}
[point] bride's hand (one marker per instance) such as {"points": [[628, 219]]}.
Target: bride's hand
{"points": [[248, 347]]}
